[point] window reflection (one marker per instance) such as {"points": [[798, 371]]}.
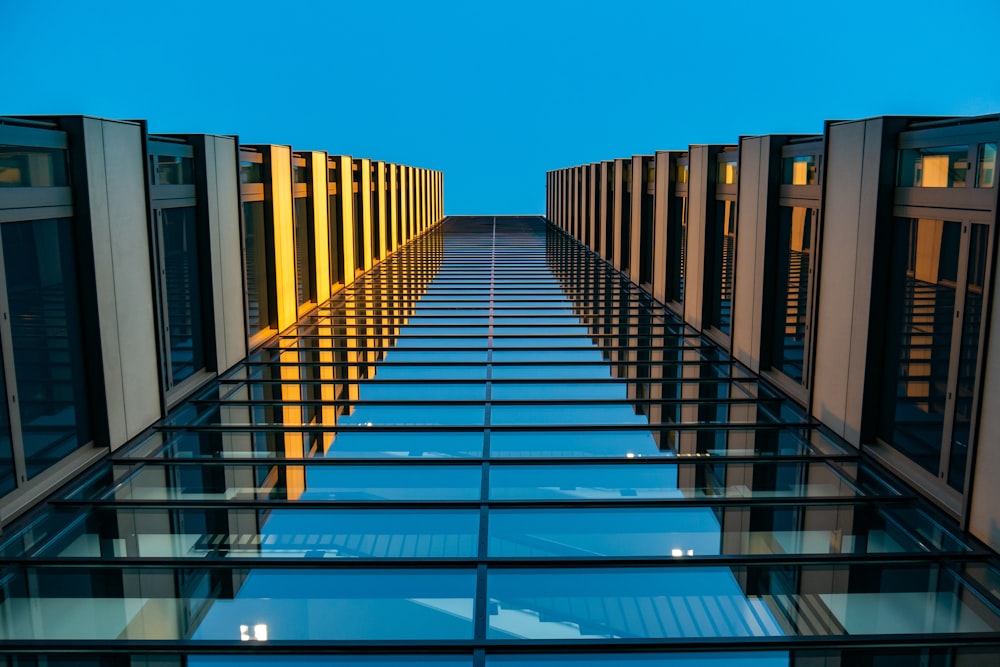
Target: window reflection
{"points": [[792, 289], [986, 165], [258, 266], [800, 170], [33, 167], [933, 167], [182, 284], [47, 340]]}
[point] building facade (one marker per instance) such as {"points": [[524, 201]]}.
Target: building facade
{"points": [[303, 418], [859, 280]]}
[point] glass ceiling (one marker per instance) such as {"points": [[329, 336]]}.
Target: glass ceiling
{"points": [[492, 450]]}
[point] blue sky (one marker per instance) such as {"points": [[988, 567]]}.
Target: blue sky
{"points": [[495, 94]]}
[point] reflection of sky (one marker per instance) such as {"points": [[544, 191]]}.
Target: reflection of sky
{"points": [[532, 533]]}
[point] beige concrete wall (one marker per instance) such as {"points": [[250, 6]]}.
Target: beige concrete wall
{"points": [[225, 248], [120, 233], [748, 276], [847, 251], [694, 264]]}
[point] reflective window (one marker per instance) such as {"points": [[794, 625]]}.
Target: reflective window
{"points": [[172, 170], [182, 284], [258, 266], [720, 263], [47, 340], [792, 289], [33, 167], [986, 165], [304, 255], [933, 167], [728, 170], [800, 170]]}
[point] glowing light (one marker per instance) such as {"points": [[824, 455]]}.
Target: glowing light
{"points": [[259, 633], [676, 553], [630, 455]]}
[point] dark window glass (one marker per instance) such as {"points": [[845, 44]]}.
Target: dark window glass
{"points": [[800, 170], [174, 170], [33, 167], [300, 174], [304, 288], [936, 167], [968, 360], [626, 229], [677, 249], [182, 284], [986, 165], [791, 290], [721, 263], [257, 262], [40, 269], [8, 477], [921, 325], [251, 172], [336, 234]]}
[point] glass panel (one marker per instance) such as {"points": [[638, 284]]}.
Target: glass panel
{"points": [[259, 266], [331, 661], [722, 263], [174, 170], [704, 602], [685, 532], [728, 170], [183, 287], [8, 476], [968, 354], [251, 172], [228, 605], [266, 533], [933, 167], [304, 259], [682, 173], [792, 286], [47, 340], [921, 325], [800, 170], [678, 480], [33, 167], [677, 249], [272, 482], [986, 165]]}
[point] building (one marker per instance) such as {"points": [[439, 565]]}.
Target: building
{"points": [[271, 407]]}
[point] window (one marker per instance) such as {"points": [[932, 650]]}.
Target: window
{"points": [[933, 167], [800, 170], [935, 309], [791, 290]]}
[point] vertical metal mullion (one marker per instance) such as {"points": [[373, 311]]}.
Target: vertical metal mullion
{"points": [[10, 378], [162, 301], [961, 285]]}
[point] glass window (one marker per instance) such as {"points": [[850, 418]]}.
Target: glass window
{"points": [[259, 265], [682, 173], [922, 323], [182, 284], [800, 170], [304, 257], [47, 340], [269, 533], [230, 605], [33, 167], [793, 275], [728, 170], [934, 167], [986, 165], [721, 265], [8, 476], [173, 170], [251, 172], [677, 249]]}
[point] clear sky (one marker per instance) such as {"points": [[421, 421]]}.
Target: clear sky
{"points": [[496, 93]]}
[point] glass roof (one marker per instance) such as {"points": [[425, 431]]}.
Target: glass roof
{"points": [[492, 450]]}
